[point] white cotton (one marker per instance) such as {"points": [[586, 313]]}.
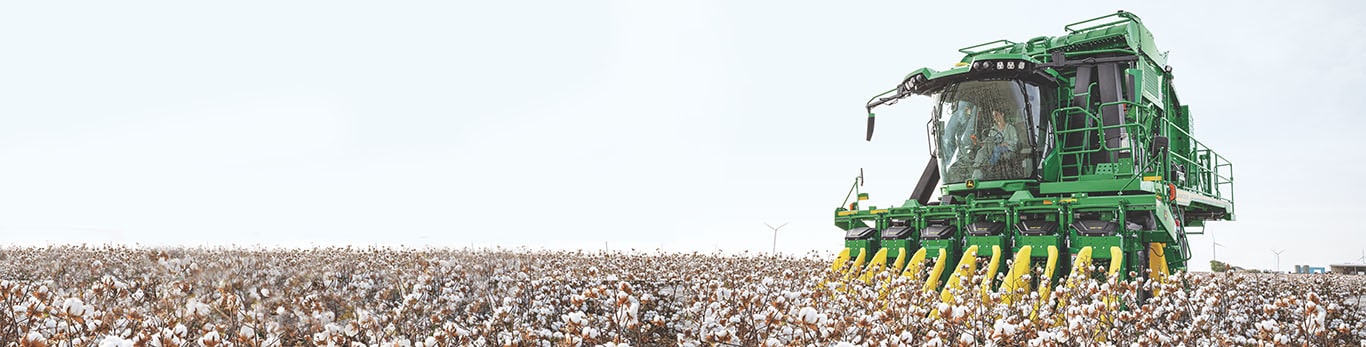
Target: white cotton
{"points": [[115, 341]]}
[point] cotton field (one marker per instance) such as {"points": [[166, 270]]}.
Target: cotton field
{"points": [[116, 296]]}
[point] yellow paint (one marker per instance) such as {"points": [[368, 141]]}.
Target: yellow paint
{"points": [[1052, 262], [917, 262], [896, 269], [991, 271], [965, 268], [932, 282], [1152, 178], [840, 260], [960, 64], [1015, 278], [878, 211], [1157, 264], [1048, 269], [875, 266], [1116, 259], [1081, 266], [858, 264], [1046, 290], [1067, 200], [1048, 202], [845, 213], [900, 263], [1112, 300]]}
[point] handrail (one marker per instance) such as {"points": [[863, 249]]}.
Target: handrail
{"points": [[1127, 17], [1211, 171], [967, 50]]}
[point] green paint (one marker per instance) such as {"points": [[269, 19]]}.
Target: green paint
{"points": [[1001, 168]]}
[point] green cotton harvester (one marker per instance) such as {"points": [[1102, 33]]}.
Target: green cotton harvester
{"points": [[1068, 154]]}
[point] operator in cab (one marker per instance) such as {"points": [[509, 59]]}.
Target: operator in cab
{"points": [[997, 143]]}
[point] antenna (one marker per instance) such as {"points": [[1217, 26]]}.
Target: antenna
{"points": [[1278, 258], [775, 229]]}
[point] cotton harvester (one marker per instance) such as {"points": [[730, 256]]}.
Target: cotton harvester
{"points": [[1056, 150]]}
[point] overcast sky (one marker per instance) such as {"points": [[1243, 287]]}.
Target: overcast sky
{"points": [[682, 125]]}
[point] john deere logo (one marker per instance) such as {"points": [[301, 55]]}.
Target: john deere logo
{"points": [[972, 184]]}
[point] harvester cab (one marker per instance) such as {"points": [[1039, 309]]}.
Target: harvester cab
{"points": [[1061, 151]]}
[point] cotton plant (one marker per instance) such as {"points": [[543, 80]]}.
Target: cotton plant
{"points": [[376, 296]]}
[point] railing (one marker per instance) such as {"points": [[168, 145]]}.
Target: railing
{"points": [[1124, 17], [1207, 172], [1091, 134], [1003, 43], [1213, 174]]}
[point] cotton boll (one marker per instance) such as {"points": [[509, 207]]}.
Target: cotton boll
{"points": [[115, 341]]}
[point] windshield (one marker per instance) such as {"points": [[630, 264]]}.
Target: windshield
{"points": [[986, 130]]}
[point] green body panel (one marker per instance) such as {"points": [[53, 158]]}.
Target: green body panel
{"points": [[1115, 149], [934, 247], [893, 244], [1004, 185], [1097, 185], [984, 243], [855, 246], [1100, 245], [1038, 244]]}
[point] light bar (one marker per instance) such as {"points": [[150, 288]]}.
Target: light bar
{"points": [[998, 65]]}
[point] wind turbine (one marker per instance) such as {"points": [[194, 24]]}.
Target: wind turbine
{"points": [[1278, 258], [775, 235], [1214, 248]]}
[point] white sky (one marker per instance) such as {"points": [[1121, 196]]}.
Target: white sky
{"points": [[558, 124]]}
